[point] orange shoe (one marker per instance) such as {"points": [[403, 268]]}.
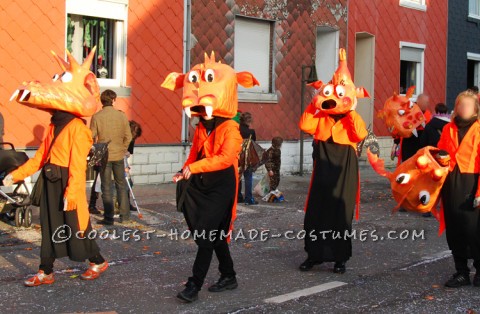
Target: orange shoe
{"points": [[94, 271], [39, 279]]}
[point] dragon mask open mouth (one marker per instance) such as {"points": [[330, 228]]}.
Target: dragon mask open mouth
{"points": [[75, 90]]}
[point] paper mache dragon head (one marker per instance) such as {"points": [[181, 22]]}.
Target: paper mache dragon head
{"points": [[74, 90], [340, 94], [416, 183], [401, 115], [210, 88]]}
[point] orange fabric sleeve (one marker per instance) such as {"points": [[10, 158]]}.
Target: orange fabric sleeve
{"points": [[36, 163], [227, 154], [358, 128], [193, 150], [308, 122]]}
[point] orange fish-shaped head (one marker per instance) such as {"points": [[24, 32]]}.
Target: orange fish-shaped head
{"points": [[416, 183], [74, 90], [340, 94], [401, 115], [210, 88]]}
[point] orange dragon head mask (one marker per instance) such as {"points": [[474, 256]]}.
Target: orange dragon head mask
{"points": [[416, 183], [401, 115], [340, 94], [74, 90], [210, 88]]}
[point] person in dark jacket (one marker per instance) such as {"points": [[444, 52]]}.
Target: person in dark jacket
{"points": [[433, 130], [246, 120]]}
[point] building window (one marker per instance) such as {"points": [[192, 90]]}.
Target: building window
{"points": [[253, 53], [411, 67], [474, 9], [102, 24], [473, 70], [414, 4]]}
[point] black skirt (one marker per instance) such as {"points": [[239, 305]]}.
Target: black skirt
{"points": [[462, 221], [53, 220], [331, 202], [207, 204]]}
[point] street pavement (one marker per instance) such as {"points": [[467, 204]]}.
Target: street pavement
{"points": [[399, 263]]}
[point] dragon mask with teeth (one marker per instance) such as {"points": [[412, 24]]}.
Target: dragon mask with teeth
{"points": [[74, 90], [210, 88], [340, 94], [401, 115]]}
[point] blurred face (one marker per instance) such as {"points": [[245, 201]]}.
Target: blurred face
{"points": [[423, 102], [466, 108]]}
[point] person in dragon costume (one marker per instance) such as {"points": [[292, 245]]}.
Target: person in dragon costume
{"points": [[62, 158], [334, 188], [207, 184]]}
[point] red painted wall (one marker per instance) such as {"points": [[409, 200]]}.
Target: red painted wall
{"points": [[391, 23], [29, 29]]}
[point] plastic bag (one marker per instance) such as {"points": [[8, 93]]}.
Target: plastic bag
{"points": [[262, 187]]}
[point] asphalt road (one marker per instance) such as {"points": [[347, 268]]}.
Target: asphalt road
{"points": [[150, 261]]}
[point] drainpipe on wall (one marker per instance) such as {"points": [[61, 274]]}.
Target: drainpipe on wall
{"points": [[187, 30]]}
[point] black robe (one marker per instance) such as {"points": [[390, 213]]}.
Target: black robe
{"points": [[331, 202]]}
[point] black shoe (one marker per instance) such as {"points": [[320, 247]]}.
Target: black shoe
{"points": [[94, 210], [105, 222], [308, 265], [133, 208], [427, 215], [190, 293], [224, 283], [339, 268], [476, 280], [402, 210], [458, 280]]}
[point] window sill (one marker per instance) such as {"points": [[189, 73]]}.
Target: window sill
{"points": [[121, 91], [271, 98], [473, 18], [413, 5]]}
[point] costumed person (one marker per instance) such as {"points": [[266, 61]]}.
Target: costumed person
{"points": [[334, 189], [207, 184], [461, 191], [274, 161], [62, 158], [246, 121], [411, 144]]}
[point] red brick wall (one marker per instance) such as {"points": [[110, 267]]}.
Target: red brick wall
{"points": [[391, 23], [294, 45], [29, 29]]}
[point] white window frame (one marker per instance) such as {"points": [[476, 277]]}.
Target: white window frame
{"points": [[475, 57], [474, 15], [258, 96], [420, 67], [109, 9], [411, 4]]}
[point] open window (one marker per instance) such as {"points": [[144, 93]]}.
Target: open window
{"points": [[411, 67]]}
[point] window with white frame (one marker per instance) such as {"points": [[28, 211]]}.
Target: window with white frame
{"points": [[103, 24], [253, 51], [411, 67], [473, 70], [474, 9], [414, 4]]}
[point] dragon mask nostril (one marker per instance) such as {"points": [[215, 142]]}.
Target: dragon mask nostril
{"points": [[329, 104]]}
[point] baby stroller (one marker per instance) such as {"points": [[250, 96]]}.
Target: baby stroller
{"points": [[14, 205]]}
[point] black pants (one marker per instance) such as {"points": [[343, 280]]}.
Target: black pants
{"points": [[118, 169], [204, 258], [46, 263]]}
